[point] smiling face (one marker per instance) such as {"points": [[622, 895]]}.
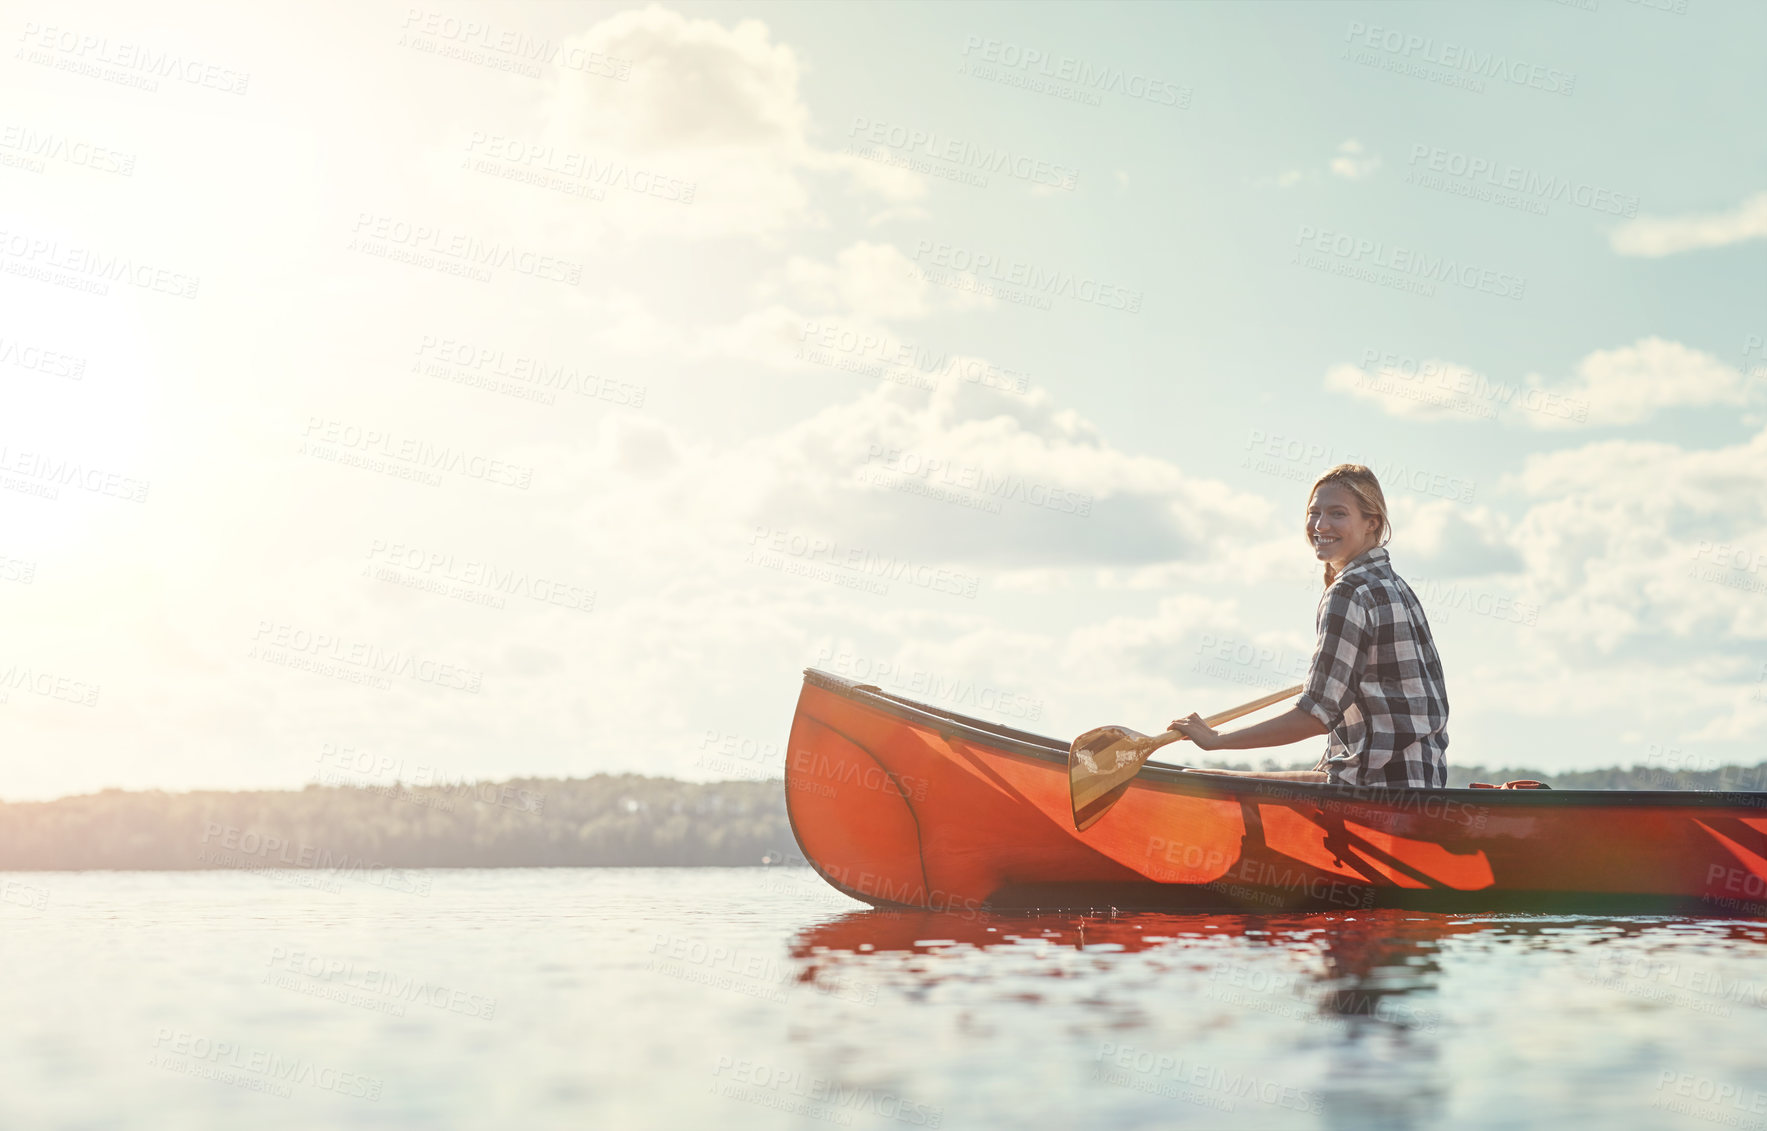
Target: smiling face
{"points": [[1336, 527]]}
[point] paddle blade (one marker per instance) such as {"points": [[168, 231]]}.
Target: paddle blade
{"points": [[1101, 764], [1102, 761]]}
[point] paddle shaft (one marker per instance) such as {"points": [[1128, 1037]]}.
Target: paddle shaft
{"points": [[1228, 716]]}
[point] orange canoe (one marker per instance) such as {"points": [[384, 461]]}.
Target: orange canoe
{"points": [[902, 804]]}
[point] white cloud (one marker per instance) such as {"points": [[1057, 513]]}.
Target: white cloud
{"points": [[1656, 236], [695, 84], [1626, 538], [1352, 163], [1447, 539], [716, 106], [1286, 179], [1039, 580], [1608, 387], [1630, 384], [866, 280], [1742, 719], [896, 212], [1432, 389], [971, 474], [1181, 630]]}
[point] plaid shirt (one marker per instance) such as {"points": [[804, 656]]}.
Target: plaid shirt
{"points": [[1376, 682]]}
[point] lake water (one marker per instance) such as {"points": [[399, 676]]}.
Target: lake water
{"points": [[760, 998]]}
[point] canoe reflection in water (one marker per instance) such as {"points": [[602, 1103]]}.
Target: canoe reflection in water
{"points": [[1330, 967], [1362, 1019]]}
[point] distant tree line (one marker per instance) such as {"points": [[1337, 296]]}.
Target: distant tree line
{"points": [[1724, 779], [608, 819]]}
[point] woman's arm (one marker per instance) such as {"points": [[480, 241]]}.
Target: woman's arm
{"points": [[1279, 775], [1292, 725], [1329, 691]]}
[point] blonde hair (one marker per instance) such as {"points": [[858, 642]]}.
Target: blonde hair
{"points": [[1360, 482]]}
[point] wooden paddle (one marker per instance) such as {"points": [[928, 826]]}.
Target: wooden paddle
{"points": [[1103, 761]]}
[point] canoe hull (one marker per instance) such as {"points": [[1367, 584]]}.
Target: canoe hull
{"points": [[901, 804]]}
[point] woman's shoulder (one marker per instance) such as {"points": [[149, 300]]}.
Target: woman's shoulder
{"points": [[1369, 590], [1350, 586], [1346, 598]]}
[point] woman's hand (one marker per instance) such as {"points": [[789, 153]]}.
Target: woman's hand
{"points": [[1199, 732]]}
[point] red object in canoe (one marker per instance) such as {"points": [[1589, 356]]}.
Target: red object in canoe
{"points": [[902, 804]]}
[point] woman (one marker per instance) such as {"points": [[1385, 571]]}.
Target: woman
{"points": [[1375, 683]]}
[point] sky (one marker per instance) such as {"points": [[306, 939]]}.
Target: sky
{"points": [[449, 392]]}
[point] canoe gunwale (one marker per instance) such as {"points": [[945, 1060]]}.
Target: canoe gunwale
{"points": [[1012, 741]]}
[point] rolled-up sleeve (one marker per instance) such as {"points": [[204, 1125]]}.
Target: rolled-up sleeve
{"points": [[1337, 659]]}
